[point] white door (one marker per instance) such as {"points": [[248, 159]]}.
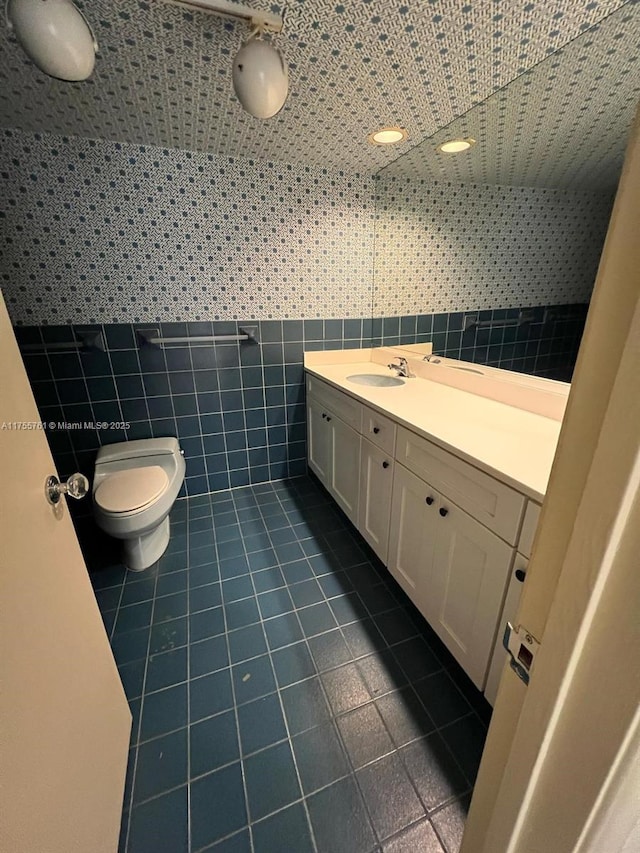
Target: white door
{"points": [[412, 534], [65, 720], [509, 611], [318, 435], [470, 572], [376, 481], [345, 466], [557, 749]]}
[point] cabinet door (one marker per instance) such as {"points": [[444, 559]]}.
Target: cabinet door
{"points": [[376, 481], [471, 568], [319, 440], [411, 535], [344, 482]]}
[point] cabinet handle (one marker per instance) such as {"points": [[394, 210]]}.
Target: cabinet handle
{"points": [[324, 415], [385, 464], [429, 500], [520, 575], [443, 511], [376, 430], [328, 418]]}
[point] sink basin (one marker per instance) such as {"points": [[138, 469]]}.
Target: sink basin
{"points": [[375, 379]]}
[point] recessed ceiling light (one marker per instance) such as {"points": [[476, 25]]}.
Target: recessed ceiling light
{"points": [[388, 136], [454, 146]]}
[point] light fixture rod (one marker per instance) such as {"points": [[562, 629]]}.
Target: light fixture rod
{"points": [[226, 9]]}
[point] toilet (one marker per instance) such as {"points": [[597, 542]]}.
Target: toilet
{"points": [[134, 487]]}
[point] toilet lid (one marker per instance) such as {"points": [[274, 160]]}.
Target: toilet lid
{"points": [[127, 491]]}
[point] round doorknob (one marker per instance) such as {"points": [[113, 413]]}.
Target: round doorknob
{"points": [[443, 511], [76, 487], [376, 430], [429, 500], [385, 464]]}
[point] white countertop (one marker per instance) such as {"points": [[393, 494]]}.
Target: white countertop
{"points": [[515, 446]]}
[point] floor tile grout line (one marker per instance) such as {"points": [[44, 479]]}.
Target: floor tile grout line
{"points": [[287, 500], [334, 717], [396, 751], [139, 730], [286, 724], [265, 817], [389, 645], [357, 658], [338, 715], [188, 688], [235, 712], [117, 612]]}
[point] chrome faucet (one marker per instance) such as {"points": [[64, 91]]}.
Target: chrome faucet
{"points": [[402, 368]]}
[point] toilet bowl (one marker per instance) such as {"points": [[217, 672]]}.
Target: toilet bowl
{"points": [[134, 487]]}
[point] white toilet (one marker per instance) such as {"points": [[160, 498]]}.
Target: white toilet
{"points": [[134, 487]]}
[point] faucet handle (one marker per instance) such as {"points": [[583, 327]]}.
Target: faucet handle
{"points": [[402, 367]]}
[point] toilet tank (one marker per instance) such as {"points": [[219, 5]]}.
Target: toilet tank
{"points": [[138, 449]]}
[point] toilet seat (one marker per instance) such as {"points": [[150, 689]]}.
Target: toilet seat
{"points": [[131, 490]]}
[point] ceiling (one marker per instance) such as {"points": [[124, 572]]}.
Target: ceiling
{"points": [[563, 124], [163, 75]]}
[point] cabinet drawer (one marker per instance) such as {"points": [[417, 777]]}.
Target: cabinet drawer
{"points": [[529, 526], [345, 407], [495, 505], [378, 429]]}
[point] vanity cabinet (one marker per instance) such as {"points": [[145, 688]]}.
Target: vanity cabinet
{"points": [[492, 503], [334, 448], [376, 483], [318, 441], [512, 598], [452, 567], [446, 530], [412, 535], [344, 466]]}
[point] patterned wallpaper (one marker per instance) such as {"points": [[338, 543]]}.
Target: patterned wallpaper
{"points": [[458, 247], [96, 232], [562, 124], [108, 232], [163, 75]]}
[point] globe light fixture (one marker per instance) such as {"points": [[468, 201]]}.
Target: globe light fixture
{"points": [[58, 39], [55, 35], [260, 78]]}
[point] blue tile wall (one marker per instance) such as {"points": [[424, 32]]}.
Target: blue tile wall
{"points": [[238, 409], [547, 346]]}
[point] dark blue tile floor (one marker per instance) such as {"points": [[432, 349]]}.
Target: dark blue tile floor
{"points": [[286, 695]]}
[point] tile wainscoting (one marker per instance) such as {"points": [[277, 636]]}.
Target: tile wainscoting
{"points": [[238, 409]]}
